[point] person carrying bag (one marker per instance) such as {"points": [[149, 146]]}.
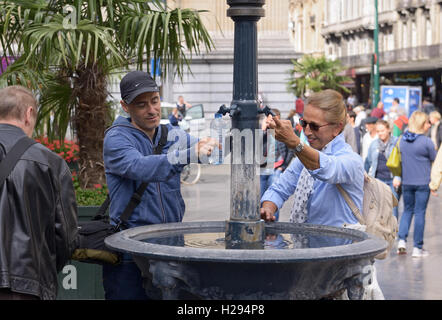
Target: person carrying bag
{"points": [[92, 233], [394, 162]]}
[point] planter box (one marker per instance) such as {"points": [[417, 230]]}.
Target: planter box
{"points": [[81, 281]]}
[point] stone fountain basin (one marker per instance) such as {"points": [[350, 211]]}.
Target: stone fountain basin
{"points": [[173, 272]]}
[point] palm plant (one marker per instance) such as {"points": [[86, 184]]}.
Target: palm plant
{"points": [[316, 74], [66, 51]]}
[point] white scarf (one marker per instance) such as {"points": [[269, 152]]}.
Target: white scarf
{"points": [[304, 189]]}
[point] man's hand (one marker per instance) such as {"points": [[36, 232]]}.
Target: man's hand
{"points": [[205, 147], [433, 192], [268, 210], [283, 131]]}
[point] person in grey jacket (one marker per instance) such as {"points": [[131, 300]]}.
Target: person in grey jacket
{"points": [[378, 154], [38, 211]]}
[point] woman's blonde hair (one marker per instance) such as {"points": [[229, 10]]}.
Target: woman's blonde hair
{"points": [[332, 103], [416, 123]]}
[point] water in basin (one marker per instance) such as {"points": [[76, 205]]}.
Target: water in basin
{"points": [[273, 240]]}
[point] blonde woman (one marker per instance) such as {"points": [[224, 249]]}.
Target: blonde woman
{"points": [[417, 153], [318, 167], [377, 156]]}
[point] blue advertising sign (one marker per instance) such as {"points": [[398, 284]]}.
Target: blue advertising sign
{"points": [[388, 93], [414, 100], [155, 65]]}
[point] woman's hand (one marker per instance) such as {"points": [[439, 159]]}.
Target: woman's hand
{"points": [[268, 210], [283, 131]]}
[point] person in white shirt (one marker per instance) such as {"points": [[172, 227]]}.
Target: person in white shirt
{"points": [[370, 136], [360, 115]]}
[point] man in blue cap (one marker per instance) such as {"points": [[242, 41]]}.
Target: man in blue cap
{"points": [[131, 158]]}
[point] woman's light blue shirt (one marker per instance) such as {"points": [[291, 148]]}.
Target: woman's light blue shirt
{"points": [[326, 206]]}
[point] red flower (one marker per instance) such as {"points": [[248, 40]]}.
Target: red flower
{"points": [[97, 186]]}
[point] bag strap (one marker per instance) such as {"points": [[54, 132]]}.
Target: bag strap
{"points": [[12, 157], [398, 143], [138, 194], [351, 204]]}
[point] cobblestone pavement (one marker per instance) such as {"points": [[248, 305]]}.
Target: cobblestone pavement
{"points": [[400, 277]]}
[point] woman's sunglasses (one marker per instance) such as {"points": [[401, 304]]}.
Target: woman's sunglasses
{"points": [[313, 126]]}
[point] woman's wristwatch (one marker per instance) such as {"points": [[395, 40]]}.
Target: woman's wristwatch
{"points": [[299, 147]]}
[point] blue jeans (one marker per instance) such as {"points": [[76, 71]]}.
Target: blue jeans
{"points": [[396, 194], [415, 203], [265, 181], [123, 281]]}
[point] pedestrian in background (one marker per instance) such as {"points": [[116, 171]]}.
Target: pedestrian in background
{"points": [[356, 129], [360, 115], [182, 106], [38, 210], [296, 114], [282, 157], [369, 136], [378, 153], [400, 125], [352, 101], [436, 129], [349, 135], [436, 173], [379, 111], [393, 113], [417, 153], [427, 105]]}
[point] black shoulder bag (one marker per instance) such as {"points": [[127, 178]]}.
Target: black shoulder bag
{"points": [[91, 247]]}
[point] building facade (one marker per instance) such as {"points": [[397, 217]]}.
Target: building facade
{"points": [[410, 42], [305, 26], [210, 81]]}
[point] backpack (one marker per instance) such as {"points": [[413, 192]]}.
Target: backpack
{"points": [[377, 214]]}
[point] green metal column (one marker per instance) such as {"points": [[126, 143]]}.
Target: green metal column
{"points": [[375, 60]]}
